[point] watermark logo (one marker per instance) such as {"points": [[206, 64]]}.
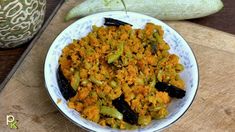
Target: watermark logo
{"points": [[11, 122]]}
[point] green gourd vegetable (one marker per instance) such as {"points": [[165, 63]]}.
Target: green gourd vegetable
{"points": [[161, 9]]}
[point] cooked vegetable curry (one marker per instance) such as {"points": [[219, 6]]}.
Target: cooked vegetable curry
{"points": [[114, 71]]}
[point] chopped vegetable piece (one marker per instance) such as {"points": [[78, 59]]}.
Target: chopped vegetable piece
{"points": [[162, 113], [94, 80], [158, 37], [84, 82], [114, 56], [179, 67], [144, 120], [112, 112], [113, 84], [154, 81], [130, 127], [156, 108], [75, 81]]}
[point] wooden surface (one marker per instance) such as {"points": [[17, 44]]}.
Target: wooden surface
{"points": [[26, 98], [224, 20]]}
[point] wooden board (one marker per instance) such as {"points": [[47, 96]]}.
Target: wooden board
{"points": [[25, 96]]}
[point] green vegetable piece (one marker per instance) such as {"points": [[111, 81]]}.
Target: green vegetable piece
{"points": [[84, 82], [154, 81], [87, 65], [112, 112], [95, 28], [166, 46], [94, 80], [113, 84], [130, 127], [144, 120], [114, 56], [75, 80], [158, 38], [165, 53], [162, 9], [163, 60], [162, 113], [179, 67], [156, 108], [139, 81], [159, 100], [159, 75]]}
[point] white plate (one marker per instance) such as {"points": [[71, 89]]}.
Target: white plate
{"points": [[82, 27]]}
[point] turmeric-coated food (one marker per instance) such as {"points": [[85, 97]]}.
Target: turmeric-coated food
{"points": [[116, 72]]}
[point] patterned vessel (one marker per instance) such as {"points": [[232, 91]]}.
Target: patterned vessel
{"points": [[20, 20]]}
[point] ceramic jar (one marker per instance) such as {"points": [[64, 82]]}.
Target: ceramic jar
{"points": [[20, 20]]}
